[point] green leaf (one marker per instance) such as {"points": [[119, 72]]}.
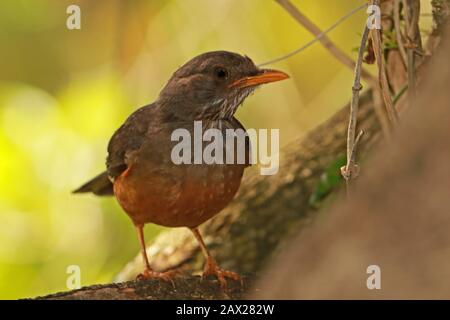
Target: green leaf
{"points": [[328, 181]]}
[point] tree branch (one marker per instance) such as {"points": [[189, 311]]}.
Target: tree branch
{"points": [[351, 170], [382, 78], [186, 288], [398, 32], [412, 13]]}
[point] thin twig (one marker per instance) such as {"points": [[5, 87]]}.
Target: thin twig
{"points": [[316, 39], [398, 31], [355, 146], [352, 173], [380, 112], [350, 170], [338, 54], [412, 14], [321, 36], [400, 94], [355, 98], [382, 78]]}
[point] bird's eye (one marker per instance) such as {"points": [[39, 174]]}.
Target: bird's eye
{"points": [[221, 73]]}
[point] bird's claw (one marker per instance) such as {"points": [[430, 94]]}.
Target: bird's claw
{"points": [[166, 276], [212, 269]]}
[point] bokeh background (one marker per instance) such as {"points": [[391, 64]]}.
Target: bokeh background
{"points": [[64, 92]]}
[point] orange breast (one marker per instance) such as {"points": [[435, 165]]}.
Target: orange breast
{"points": [[178, 196]]}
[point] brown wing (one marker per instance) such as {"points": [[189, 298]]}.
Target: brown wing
{"points": [[128, 138], [100, 186]]}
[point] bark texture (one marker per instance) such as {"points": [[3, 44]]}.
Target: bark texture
{"points": [[185, 288]]}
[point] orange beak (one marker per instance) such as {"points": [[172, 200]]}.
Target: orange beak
{"points": [[265, 76]]}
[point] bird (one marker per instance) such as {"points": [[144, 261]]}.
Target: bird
{"points": [[140, 171]]}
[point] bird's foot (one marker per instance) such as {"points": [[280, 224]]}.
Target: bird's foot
{"points": [[213, 269], [166, 276]]}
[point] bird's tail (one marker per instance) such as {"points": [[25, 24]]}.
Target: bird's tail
{"points": [[100, 185]]}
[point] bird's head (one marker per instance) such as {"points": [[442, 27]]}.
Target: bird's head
{"points": [[214, 84]]}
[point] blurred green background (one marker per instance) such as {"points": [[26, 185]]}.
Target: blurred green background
{"points": [[64, 92]]}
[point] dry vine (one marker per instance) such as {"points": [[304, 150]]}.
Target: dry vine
{"points": [[351, 170]]}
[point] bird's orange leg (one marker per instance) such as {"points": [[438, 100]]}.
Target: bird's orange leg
{"points": [[211, 266], [149, 273]]}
